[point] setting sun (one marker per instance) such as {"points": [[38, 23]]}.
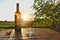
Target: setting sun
{"points": [[25, 17]]}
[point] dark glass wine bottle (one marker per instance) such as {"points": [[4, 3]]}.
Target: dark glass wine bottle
{"points": [[17, 17]]}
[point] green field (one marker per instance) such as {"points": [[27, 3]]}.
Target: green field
{"points": [[10, 25], [6, 24]]}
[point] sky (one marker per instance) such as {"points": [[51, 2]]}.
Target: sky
{"points": [[8, 8]]}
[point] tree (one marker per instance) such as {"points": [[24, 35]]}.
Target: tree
{"points": [[46, 10]]}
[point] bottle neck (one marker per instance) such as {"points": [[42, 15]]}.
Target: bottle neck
{"points": [[17, 7]]}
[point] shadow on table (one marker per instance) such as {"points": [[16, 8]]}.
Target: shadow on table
{"points": [[18, 36]]}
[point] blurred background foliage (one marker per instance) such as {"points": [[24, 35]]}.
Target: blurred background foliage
{"points": [[47, 13]]}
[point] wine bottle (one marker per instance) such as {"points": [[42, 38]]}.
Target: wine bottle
{"points": [[17, 16]]}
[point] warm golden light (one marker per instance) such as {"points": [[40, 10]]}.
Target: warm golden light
{"points": [[25, 17]]}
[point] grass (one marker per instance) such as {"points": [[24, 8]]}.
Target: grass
{"points": [[10, 24], [6, 25]]}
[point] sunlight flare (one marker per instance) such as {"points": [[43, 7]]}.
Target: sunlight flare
{"points": [[25, 17]]}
